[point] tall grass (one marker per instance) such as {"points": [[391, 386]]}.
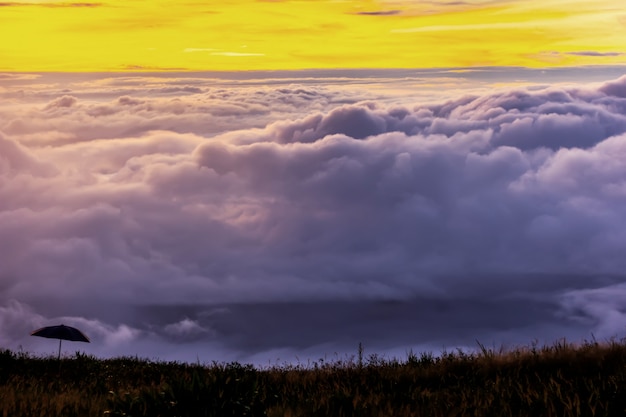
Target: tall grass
{"points": [[562, 379]]}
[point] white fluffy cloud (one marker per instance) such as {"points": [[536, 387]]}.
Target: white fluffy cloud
{"points": [[273, 218]]}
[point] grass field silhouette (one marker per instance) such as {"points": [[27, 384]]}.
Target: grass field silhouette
{"points": [[562, 379]]}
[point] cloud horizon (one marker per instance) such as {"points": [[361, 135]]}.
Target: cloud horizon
{"points": [[176, 218]]}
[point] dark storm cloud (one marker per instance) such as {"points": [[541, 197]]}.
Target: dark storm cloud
{"points": [[161, 228]]}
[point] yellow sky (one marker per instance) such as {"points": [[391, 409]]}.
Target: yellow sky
{"points": [[106, 35]]}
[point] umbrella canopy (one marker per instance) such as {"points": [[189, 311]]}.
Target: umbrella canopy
{"points": [[61, 332]]}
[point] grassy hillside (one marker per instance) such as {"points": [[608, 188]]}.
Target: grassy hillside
{"points": [[558, 380]]}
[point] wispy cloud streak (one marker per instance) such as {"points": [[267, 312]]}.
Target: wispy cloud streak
{"points": [[49, 5]]}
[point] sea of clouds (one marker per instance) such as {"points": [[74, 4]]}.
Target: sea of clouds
{"points": [[200, 218]]}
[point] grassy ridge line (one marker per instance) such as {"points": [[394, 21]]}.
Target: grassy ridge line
{"points": [[558, 380]]}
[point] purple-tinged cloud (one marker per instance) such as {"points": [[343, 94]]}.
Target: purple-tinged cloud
{"points": [[380, 13], [595, 53], [246, 221], [616, 89]]}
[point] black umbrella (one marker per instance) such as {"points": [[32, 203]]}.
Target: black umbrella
{"points": [[61, 332]]}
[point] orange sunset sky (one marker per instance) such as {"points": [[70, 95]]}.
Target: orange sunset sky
{"points": [[114, 35]]}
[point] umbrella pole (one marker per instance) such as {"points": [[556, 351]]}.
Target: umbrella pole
{"points": [[59, 357]]}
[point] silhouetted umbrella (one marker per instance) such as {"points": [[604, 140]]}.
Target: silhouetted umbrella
{"points": [[61, 332]]}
